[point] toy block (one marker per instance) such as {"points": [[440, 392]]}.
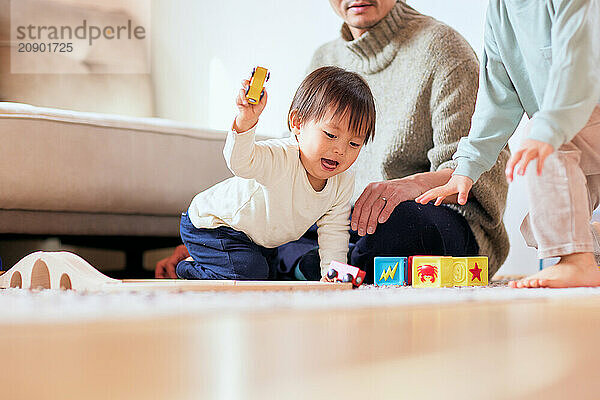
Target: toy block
{"points": [[390, 271], [477, 271], [341, 272], [431, 271], [255, 91], [459, 271]]}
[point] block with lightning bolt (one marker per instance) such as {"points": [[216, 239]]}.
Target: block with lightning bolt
{"points": [[431, 271], [390, 271]]}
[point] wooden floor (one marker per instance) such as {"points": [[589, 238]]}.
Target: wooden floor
{"points": [[527, 349]]}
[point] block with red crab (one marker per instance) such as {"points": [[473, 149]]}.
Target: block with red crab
{"points": [[431, 271]]}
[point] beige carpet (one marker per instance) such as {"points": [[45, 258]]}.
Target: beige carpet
{"points": [[24, 306]]}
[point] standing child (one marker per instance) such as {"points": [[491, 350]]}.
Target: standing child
{"points": [[282, 186], [541, 57]]}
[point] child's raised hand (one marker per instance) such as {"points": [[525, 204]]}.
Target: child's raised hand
{"points": [[530, 150], [457, 184], [249, 113]]}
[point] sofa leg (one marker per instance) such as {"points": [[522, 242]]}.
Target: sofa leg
{"points": [[134, 264]]}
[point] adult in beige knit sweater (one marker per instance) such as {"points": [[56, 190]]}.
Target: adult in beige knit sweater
{"points": [[424, 77]]}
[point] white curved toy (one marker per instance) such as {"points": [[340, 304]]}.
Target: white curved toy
{"points": [[54, 270]]}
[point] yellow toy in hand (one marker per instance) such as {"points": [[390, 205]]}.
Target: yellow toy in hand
{"points": [[254, 92]]}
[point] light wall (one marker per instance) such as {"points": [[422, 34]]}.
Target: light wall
{"points": [[202, 50]]}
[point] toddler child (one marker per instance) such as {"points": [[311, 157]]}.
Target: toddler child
{"points": [[541, 57], [282, 186]]}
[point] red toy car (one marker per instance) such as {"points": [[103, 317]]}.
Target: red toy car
{"points": [[340, 272]]}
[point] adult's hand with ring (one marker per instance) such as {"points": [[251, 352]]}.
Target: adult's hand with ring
{"points": [[378, 201]]}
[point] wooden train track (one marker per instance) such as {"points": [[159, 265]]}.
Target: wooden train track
{"points": [[68, 271]]}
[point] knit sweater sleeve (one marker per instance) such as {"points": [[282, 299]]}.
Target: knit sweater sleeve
{"points": [[454, 78], [452, 102], [453, 96], [333, 226]]}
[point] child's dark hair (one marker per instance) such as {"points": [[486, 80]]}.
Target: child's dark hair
{"points": [[339, 91]]}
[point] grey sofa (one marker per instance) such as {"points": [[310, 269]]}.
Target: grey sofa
{"points": [[101, 180]]}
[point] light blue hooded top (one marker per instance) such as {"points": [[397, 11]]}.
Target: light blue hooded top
{"points": [[541, 57]]}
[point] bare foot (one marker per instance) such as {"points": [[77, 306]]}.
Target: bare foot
{"points": [[573, 270]]}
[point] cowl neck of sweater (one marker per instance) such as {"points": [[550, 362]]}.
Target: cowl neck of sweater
{"points": [[374, 50]]}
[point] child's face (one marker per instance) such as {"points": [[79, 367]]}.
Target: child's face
{"points": [[327, 148]]}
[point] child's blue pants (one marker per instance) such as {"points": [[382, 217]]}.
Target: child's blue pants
{"points": [[223, 253]]}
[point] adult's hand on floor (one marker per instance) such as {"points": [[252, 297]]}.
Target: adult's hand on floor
{"points": [[165, 268]]}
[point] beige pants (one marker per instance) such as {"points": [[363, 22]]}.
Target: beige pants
{"points": [[564, 197]]}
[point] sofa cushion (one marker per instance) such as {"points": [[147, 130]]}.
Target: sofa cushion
{"points": [[91, 78], [54, 160]]}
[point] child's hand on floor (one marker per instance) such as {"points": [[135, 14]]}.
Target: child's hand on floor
{"points": [[530, 150], [326, 279], [457, 184], [166, 268], [249, 113]]}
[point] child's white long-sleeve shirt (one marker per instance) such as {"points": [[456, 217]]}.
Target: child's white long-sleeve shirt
{"points": [[271, 200], [540, 57]]}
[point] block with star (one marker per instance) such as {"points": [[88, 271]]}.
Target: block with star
{"points": [[431, 271], [390, 271], [477, 271]]}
